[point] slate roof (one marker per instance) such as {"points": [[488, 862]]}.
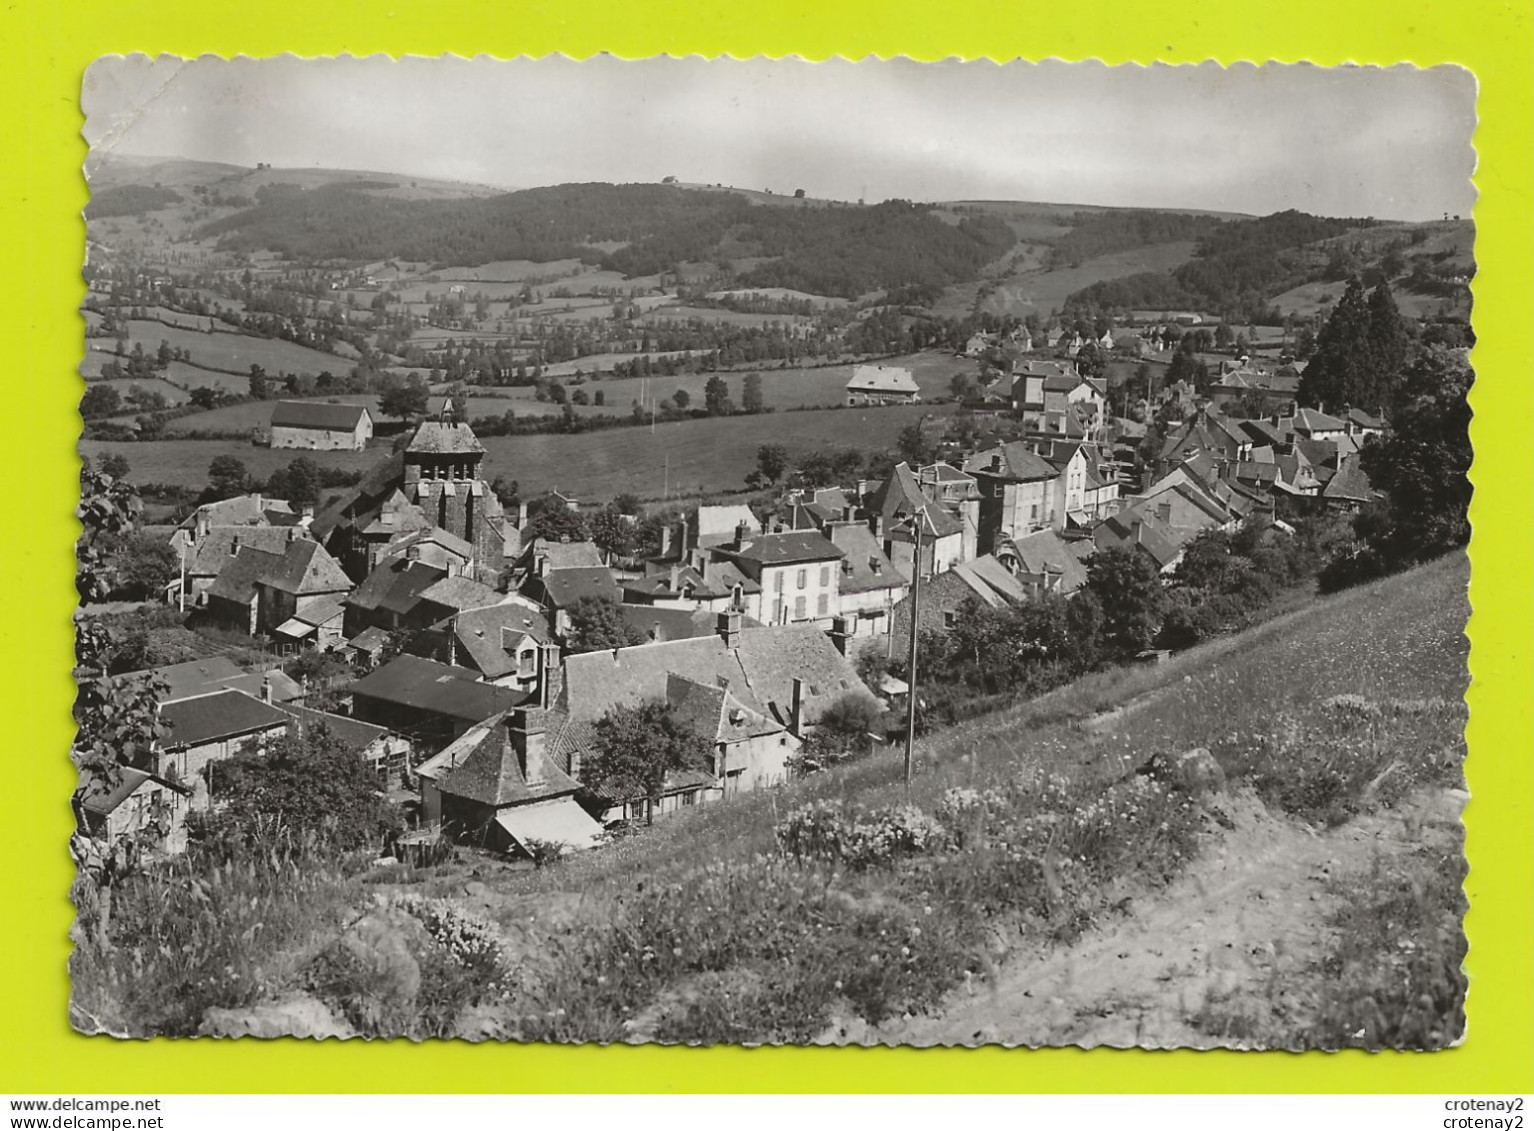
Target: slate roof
{"points": [[193, 677], [438, 689], [216, 547], [786, 548], [1046, 553], [1350, 483], [223, 714], [395, 585], [362, 502], [460, 593], [1311, 420], [563, 587], [317, 414], [488, 770], [991, 581], [560, 555], [900, 496], [1365, 419], [759, 670], [865, 569], [659, 624], [320, 612], [716, 713], [438, 437], [1140, 530], [354, 734], [482, 635], [882, 379], [1013, 460], [242, 510]]}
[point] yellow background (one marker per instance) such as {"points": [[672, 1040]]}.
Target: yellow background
{"points": [[46, 46]]}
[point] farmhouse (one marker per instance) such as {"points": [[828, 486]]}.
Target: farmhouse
{"points": [[432, 703], [882, 384], [209, 728], [258, 591], [319, 426]]}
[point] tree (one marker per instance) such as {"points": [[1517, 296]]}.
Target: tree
{"points": [[508, 491], [108, 512], [841, 732], [914, 447], [1090, 361], [1128, 589], [1389, 346], [1342, 368], [227, 478], [751, 395], [1223, 338], [613, 533], [259, 386], [681, 398], [100, 399], [115, 464], [404, 399], [310, 783], [146, 565], [963, 387], [550, 517], [716, 396], [1423, 466], [299, 482], [597, 624], [638, 747], [772, 461], [203, 397]]}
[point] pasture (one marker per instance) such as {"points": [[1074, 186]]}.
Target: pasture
{"points": [[185, 462], [685, 457], [231, 351], [1045, 290]]}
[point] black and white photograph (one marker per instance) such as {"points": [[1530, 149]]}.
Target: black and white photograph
{"points": [[767, 552]]}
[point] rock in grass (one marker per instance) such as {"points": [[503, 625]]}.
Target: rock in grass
{"points": [[1195, 772], [300, 1016]]}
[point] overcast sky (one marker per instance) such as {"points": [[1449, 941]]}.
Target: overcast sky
{"points": [[1392, 143]]}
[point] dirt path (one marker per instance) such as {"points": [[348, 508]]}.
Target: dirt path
{"points": [[1252, 907]]}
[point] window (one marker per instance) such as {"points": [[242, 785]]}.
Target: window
{"points": [[799, 608], [780, 580], [823, 605], [825, 576], [802, 578], [950, 618]]}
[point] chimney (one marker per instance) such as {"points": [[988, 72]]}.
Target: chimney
{"points": [[665, 540], [305, 514], [796, 708], [257, 497], [996, 462], [292, 535], [1164, 512], [676, 575], [541, 565], [413, 553], [742, 532], [234, 544], [266, 688], [841, 630], [728, 623], [550, 674], [527, 742], [522, 515], [200, 525]]}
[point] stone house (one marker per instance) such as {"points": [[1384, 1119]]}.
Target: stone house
{"points": [[319, 426]]}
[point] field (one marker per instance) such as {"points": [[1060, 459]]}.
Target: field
{"points": [[1039, 894], [185, 462], [693, 456], [1309, 298], [1042, 291], [227, 351]]}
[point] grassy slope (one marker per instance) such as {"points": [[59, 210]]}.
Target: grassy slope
{"points": [[1401, 638], [705, 455], [695, 930]]}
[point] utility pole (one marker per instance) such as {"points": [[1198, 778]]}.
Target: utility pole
{"points": [[910, 693]]}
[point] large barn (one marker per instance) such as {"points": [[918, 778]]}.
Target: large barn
{"points": [[882, 384], [320, 426]]}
